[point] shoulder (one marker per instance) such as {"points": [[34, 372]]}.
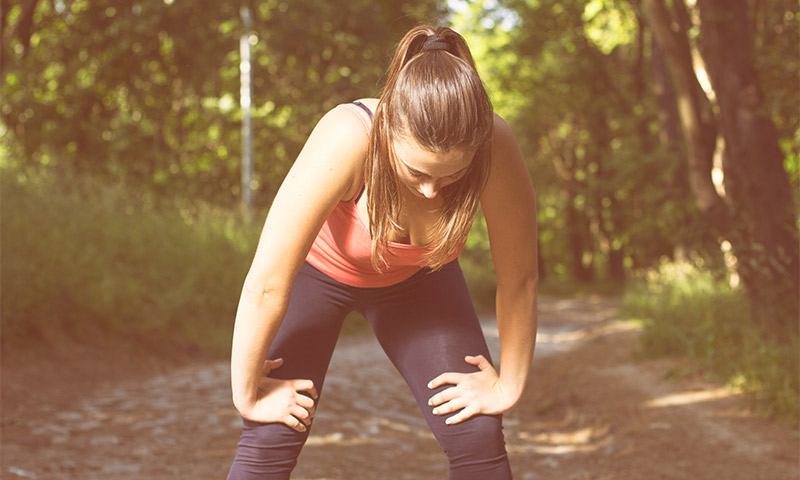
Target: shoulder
{"points": [[371, 103], [345, 122], [503, 137], [509, 171], [339, 142], [505, 149]]}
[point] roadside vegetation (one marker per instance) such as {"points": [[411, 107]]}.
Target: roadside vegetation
{"points": [[692, 312], [79, 256]]}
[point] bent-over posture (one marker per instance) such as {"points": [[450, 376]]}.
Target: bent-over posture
{"points": [[372, 217]]}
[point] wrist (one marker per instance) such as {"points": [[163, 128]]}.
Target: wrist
{"points": [[244, 404], [512, 390]]}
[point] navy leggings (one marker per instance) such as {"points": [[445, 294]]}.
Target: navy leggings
{"points": [[426, 325]]}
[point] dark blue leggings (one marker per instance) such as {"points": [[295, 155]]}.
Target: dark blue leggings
{"points": [[426, 325]]}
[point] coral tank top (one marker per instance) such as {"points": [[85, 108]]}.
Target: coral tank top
{"points": [[343, 247]]}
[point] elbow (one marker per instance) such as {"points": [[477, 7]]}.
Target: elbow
{"points": [[260, 289], [524, 284]]}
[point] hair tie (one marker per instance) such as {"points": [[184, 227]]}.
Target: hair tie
{"points": [[435, 42]]}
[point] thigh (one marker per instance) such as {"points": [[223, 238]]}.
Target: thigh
{"points": [[305, 340], [310, 327], [427, 325]]}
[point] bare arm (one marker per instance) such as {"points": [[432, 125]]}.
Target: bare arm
{"points": [[326, 171], [510, 210]]}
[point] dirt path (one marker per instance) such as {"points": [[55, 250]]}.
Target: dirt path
{"points": [[590, 412]]}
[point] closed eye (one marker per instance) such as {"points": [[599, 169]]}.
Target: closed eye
{"points": [[415, 173], [418, 174]]}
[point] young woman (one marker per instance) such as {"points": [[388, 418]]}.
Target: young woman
{"points": [[372, 217]]}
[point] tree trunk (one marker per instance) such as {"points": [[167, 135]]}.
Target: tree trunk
{"points": [[755, 180], [694, 110]]}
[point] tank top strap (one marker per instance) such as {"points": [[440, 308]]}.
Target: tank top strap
{"points": [[364, 107], [354, 106], [357, 107], [360, 192]]}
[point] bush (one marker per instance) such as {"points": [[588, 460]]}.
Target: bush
{"points": [[694, 313], [76, 252]]}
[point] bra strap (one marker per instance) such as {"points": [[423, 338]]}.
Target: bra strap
{"points": [[366, 109]]}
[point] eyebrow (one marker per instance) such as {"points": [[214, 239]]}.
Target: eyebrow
{"points": [[414, 170]]}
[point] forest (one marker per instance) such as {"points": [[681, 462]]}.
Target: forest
{"points": [[662, 138]]}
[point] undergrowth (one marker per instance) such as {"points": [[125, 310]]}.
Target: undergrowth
{"points": [[693, 313], [76, 252], [83, 259]]}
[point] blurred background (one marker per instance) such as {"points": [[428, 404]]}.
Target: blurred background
{"points": [[661, 136]]}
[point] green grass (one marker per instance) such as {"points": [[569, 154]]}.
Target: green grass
{"points": [[693, 313], [79, 257], [84, 259]]}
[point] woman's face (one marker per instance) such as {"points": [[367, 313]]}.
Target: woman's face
{"points": [[424, 172]]}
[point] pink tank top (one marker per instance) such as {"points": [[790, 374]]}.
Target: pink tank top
{"points": [[343, 247]]}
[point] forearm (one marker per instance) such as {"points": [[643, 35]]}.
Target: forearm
{"points": [[517, 323], [258, 318]]}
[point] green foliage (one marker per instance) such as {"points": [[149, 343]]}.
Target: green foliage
{"points": [[687, 310], [575, 79], [589, 134], [476, 263], [78, 255], [609, 24], [147, 93]]}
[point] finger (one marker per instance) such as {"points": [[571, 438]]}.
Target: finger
{"points": [[301, 414], [304, 400], [479, 361], [294, 423], [305, 386], [443, 396], [307, 403], [270, 365], [444, 379], [459, 417], [450, 407]]}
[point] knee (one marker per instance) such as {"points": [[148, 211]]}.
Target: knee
{"points": [[474, 442], [266, 451]]}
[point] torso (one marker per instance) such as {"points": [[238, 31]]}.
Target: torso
{"points": [[417, 219], [419, 215]]}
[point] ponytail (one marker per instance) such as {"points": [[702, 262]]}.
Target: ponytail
{"points": [[433, 95]]}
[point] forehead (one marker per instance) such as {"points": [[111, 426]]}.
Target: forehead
{"points": [[435, 164]]}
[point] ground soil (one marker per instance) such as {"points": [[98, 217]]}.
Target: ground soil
{"points": [[591, 411]]}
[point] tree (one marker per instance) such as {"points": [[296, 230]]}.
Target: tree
{"points": [[145, 93], [569, 76], [756, 215]]}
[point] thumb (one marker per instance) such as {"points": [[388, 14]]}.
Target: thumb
{"points": [[270, 365], [479, 361]]}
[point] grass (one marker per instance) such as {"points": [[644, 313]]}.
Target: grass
{"points": [[693, 313], [80, 257]]}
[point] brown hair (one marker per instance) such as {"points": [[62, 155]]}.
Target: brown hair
{"points": [[435, 97]]}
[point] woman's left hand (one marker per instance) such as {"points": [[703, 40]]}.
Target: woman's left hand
{"points": [[472, 393]]}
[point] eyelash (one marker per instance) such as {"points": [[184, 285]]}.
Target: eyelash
{"points": [[419, 175]]}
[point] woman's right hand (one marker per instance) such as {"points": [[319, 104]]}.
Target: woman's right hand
{"points": [[291, 402]]}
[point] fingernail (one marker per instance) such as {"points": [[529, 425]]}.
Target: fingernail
{"points": [[430, 403], [430, 384], [435, 412], [448, 421]]}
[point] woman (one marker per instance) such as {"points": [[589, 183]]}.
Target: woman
{"points": [[372, 217]]}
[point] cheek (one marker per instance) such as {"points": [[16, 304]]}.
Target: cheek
{"points": [[450, 182]]}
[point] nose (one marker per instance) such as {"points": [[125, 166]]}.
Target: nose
{"points": [[429, 189]]}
